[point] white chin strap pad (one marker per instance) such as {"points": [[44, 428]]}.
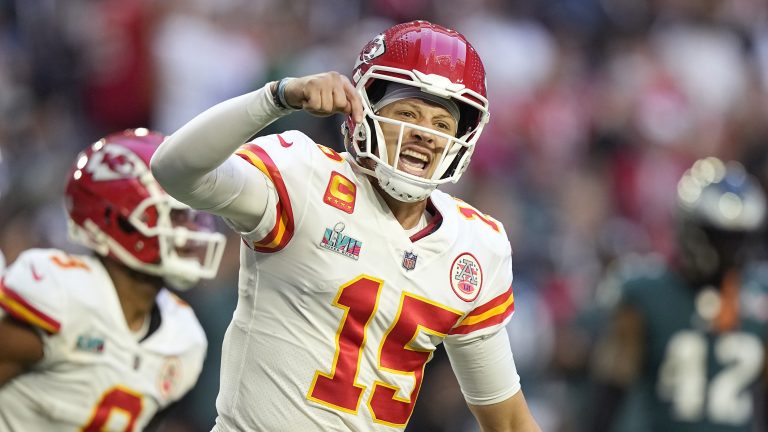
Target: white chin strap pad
{"points": [[181, 273], [402, 188]]}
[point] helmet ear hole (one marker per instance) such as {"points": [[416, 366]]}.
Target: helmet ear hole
{"points": [[125, 226]]}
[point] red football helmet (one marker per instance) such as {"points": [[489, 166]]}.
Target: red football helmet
{"points": [[116, 208], [439, 62]]}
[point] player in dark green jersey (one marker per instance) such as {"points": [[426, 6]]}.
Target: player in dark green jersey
{"points": [[688, 340]]}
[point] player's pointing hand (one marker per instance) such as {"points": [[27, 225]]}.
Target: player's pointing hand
{"points": [[325, 94]]}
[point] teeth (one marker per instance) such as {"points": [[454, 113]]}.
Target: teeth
{"points": [[414, 154]]}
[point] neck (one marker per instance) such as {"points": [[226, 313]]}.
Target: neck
{"points": [[136, 292], [408, 214]]}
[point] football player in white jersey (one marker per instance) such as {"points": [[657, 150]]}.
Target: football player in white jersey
{"points": [[96, 343], [353, 266]]}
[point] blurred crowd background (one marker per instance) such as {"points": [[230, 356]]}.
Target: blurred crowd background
{"points": [[597, 108]]}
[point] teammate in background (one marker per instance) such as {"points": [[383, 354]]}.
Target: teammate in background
{"points": [[690, 339], [353, 267], [95, 343]]}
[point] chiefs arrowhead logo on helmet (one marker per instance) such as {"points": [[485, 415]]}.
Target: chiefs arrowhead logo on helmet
{"points": [[112, 163], [373, 49]]}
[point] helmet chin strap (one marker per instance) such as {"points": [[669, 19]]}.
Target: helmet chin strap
{"points": [[180, 283], [180, 273], [402, 188]]}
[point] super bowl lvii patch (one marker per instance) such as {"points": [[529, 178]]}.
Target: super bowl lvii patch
{"points": [[335, 240]]}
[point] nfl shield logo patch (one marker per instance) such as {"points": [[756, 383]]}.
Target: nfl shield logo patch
{"points": [[409, 260]]}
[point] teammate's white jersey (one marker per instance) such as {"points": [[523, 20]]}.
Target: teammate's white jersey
{"points": [[95, 375], [339, 310]]}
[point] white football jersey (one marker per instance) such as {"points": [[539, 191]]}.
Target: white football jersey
{"points": [[339, 309], [95, 375]]}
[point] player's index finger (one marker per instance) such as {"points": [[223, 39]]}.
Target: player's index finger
{"points": [[355, 101]]}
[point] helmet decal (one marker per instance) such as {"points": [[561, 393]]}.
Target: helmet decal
{"points": [[114, 162], [373, 49]]}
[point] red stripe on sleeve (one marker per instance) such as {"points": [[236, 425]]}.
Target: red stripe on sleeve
{"points": [[495, 302], [496, 319], [20, 309], [282, 232], [488, 314]]}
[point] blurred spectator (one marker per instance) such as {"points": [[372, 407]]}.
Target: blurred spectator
{"points": [[204, 54]]}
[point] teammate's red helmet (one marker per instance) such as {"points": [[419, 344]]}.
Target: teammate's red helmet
{"points": [[116, 208], [440, 62]]}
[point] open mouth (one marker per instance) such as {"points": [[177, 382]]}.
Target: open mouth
{"points": [[413, 162]]}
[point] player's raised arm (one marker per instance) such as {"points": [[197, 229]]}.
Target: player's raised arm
{"points": [[196, 165]]}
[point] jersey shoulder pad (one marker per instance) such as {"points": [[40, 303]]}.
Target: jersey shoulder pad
{"points": [[180, 331], [288, 152], [473, 222], [488, 268], [291, 159], [299, 169], [33, 288]]}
